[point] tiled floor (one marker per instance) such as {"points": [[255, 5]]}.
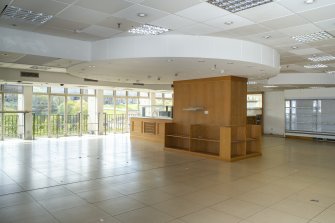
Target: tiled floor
{"points": [[113, 179]]}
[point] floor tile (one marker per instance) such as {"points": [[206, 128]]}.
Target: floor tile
{"points": [[151, 197], [274, 216], [60, 203], [84, 213], [144, 215], [327, 216], [119, 205], [298, 208], [210, 216], [178, 207], [238, 208]]}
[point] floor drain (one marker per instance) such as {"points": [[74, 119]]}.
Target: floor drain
{"points": [[314, 200]]}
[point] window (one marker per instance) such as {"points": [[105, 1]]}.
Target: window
{"points": [[73, 91], [120, 93], [57, 90], [132, 93], [109, 92], [40, 89]]}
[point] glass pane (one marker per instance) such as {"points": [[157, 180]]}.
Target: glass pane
{"points": [[159, 102], [108, 92], [40, 89], [158, 95], [88, 91], [132, 93], [89, 115], [57, 118], [133, 109], [120, 93], [13, 102], [13, 89], [120, 105], [73, 91], [144, 94], [40, 111], [73, 115], [168, 103], [40, 104], [109, 105], [57, 90], [167, 95]]}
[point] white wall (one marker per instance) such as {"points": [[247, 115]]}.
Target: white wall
{"points": [[274, 113]]}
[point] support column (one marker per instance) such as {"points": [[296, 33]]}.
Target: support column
{"points": [[100, 111], [28, 106]]}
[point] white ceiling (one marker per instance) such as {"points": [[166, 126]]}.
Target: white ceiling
{"points": [[96, 20]]}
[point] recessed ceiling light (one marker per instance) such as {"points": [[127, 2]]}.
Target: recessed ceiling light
{"points": [[142, 14], [13, 12], [91, 66], [314, 66], [267, 37], [294, 47], [321, 58], [251, 82], [309, 1], [312, 37], [228, 23], [148, 30], [237, 5]]}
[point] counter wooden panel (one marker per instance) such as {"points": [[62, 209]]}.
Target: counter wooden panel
{"points": [[152, 129]]}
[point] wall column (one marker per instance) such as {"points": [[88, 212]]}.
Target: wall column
{"points": [[27, 106], [100, 111]]}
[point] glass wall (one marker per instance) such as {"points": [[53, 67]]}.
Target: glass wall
{"points": [[310, 116], [62, 111]]}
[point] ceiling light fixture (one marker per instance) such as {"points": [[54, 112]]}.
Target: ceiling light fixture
{"points": [[91, 66], [315, 66], [270, 86], [312, 37], [267, 37], [237, 5], [251, 82], [228, 23], [13, 12], [321, 58], [148, 30], [309, 1], [294, 47], [142, 14]]}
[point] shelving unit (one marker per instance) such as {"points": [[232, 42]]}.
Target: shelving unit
{"points": [[229, 143]]}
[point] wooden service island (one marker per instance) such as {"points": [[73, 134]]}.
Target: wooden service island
{"points": [[230, 143], [148, 128]]}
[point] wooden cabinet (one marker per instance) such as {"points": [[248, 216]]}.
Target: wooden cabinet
{"points": [[152, 129], [227, 143]]}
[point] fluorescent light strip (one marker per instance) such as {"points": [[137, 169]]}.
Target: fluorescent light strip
{"points": [[322, 58], [314, 66], [237, 5], [148, 30], [13, 12], [312, 37]]}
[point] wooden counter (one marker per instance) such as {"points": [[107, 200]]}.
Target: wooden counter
{"points": [[147, 128]]}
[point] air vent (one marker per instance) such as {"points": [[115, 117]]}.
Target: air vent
{"points": [[90, 80], [139, 84], [30, 74]]}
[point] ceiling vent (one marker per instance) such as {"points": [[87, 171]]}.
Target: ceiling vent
{"points": [[30, 74], [90, 80]]}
